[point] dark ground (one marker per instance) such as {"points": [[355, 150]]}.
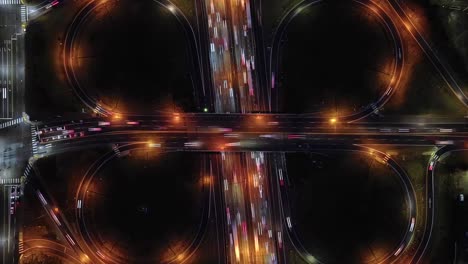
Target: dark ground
{"points": [[146, 208], [134, 56], [347, 207], [150, 203], [451, 215], [334, 59], [139, 60]]}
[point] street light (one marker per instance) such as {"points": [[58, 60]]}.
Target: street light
{"points": [[207, 180], [171, 8], [84, 258], [333, 120], [154, 145]]}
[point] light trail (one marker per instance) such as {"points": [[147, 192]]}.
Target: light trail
{"points": [[235, 84]]}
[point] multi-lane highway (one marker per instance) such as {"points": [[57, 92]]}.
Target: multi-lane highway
{"points": [[255, 128], [9, 229], [14, 153], [236, 88], [232, 57], [217, 140]]}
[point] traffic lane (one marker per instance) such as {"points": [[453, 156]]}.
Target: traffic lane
{"points": [[272, 133], [430, 200], [265, 137], [181, 120], [249, 142], [8, 225], [227, 47], [278, 178], [42, 8], [248, 124], [55, 214], [5, 221], [247, 204], [220, 209], [200, 115], [10, 26]]}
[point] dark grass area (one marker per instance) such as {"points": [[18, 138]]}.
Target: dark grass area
{"points": [[448, 37], [147, 207], [451, 214], [134, 57], [334, 59], [347, 208], [47, 93]]}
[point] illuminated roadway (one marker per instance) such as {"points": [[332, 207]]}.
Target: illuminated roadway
{"points": [[255, 132], [213, 137], [273, 133], [243, 178]]}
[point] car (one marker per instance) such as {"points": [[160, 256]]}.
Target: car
{"points": [[14, 192], [461, 197], [431, 165]]}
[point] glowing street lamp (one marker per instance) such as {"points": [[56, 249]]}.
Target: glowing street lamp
{"points": [[207, 180], [181, 257], [154, 145], [84, 258]]}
